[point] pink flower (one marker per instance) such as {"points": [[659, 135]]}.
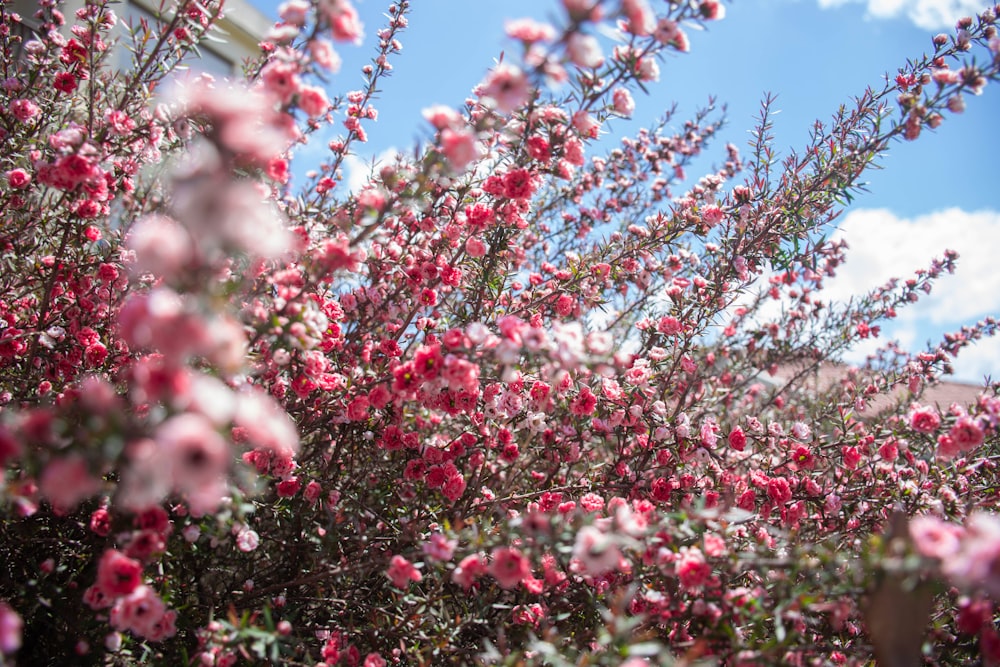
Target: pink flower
{"points": [[691, 568], [852, 457], [737, 439], [294, 12], [712, 215], [933, 537], [468, 571], [585, 124], [924, 419], [596, 552], [247, 540], [117, 574], [24, 110], [584, 404], [584, 51], [195, 453], [669, 325], [66, 481], [779, 490], [509, 567], [506, 87], [100, 522], [966, 433], [324, 55], [313, 101], [454, 485], [344, 22], [10, 630], [357, 409], [474, 247], [639, 17], [529, 30], [623, 102], [161, 246], [459, 147], [281, 79], [976, 565], [402, 572], [140, 611], [287, 488], [667, 32], [441, 117], [712, 10], [519, 184], [439, 547], [18, 179]]}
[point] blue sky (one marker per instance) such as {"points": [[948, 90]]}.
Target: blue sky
{"points": [[814, 55]]}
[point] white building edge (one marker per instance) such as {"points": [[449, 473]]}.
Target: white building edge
{"points": [[236, 39]]}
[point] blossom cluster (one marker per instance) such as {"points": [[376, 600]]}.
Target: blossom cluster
{"points": [[519, 398]]}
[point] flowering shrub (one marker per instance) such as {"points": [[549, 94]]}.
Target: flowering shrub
{"points": [[512, 401]]}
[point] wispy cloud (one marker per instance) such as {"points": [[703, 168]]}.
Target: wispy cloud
{"points": [[927, 14], [884, 246]]}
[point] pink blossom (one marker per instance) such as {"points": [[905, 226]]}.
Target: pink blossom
{"points": [[289, 487], [139, 611], [24, 110], [639, 17], [976, 565], [529, 30], [10, 629], [506, 86], [667, 32], [584, 403], [779, 490], [18, 179], [933, 537], [509, 567], [691, 567], [402, 572], [313, 101], [623, 102], [194, 452], [100, 522], [596, 552], [247, 540], [468, 571], [66, 481], [459, 147], [344, 21], [584, 51], [737, 439], [586, 125], [712, 215], [323, 54], [712, 10], [441, 117], [281, 79], [439, 547], [294, 12], [117, 574], [924, 419], [966, 433], [475, 247]]}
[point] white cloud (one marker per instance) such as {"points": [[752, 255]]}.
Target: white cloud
{"points": [[883, 246], [359, 168], [927, 14]]}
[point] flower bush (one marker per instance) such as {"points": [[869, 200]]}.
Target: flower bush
{"points": [[516, 400]]}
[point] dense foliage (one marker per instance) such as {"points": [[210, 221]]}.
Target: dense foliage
{"points": [[513, 401]]}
